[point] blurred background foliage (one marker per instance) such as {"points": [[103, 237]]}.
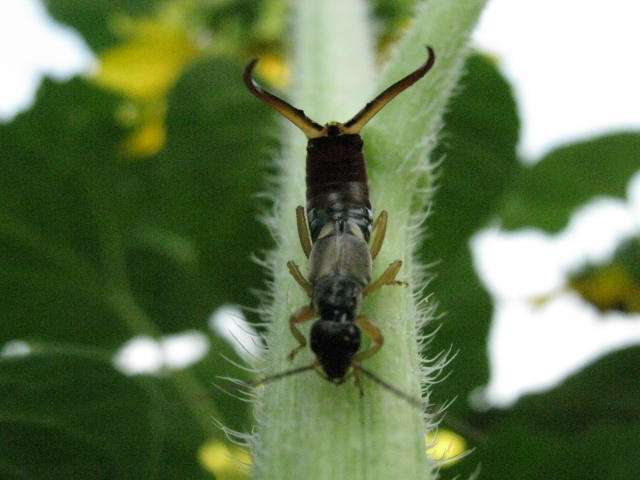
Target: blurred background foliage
{"points": [[128, 207]]}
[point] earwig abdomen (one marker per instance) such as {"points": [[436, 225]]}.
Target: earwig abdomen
{"points": [[336, 165], [337, 188]]}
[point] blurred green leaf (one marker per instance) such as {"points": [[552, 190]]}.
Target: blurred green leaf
{"points": [[516, 451], [184, 435], [478, 145], [604, 392], [392, 17], [65, 415], [95, 19], [201, 191], [628, 254], [59, 187], [587, 427], [463, 331], [96, 248], [545, 194]]}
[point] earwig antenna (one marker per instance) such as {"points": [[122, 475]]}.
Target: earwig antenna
{"points": [[399, 393], [296, 116], [278, 376], [374, 106], [238, 385], [418, 403]]}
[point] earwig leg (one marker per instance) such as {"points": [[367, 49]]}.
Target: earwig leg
{"points": [[298, 277], [302, 315], [303, 230], [388, 277], [372, 331], [379, 232]]}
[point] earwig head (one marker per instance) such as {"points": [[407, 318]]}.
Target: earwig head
{"points": [[335, 344], [353, 127], [335, 338]]}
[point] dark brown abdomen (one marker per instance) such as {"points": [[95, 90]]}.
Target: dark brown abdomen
{"points": [[336, 173], [337, 188]]}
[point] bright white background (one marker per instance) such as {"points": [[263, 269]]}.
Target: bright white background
{"points": [[574, 68], [573, 65]]}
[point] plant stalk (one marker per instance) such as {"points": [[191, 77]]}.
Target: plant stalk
{"points": [[307, 427]]}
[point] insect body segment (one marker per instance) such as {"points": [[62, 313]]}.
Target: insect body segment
{"points": [[338, 235]]}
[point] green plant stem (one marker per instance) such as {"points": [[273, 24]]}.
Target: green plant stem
{"points": [[309, 428]]}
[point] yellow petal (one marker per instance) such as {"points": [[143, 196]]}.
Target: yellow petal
{"points": [[148, 64], [609, 288], [225, 462], [274, 70], [146, 140], [445, 446]]}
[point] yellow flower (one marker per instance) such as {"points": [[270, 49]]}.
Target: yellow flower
{"points": [[445, 446], [144, 68], [147, 65], [225, 462]]}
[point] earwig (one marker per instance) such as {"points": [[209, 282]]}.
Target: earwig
{"points": [[339, 237]]}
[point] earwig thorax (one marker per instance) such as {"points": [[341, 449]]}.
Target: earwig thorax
{"points": [[337, 298]]}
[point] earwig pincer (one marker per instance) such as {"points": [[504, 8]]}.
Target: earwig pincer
{"points": [[338, 236]]}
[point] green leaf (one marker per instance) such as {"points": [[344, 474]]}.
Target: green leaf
{"points": [[462, 333], [184, 434], [478, 148], [206, 182], [96, 248], [604, 392], [587, 427], [520, 451], [95, 19], [59, 175], [65, 415], [544, 195]]}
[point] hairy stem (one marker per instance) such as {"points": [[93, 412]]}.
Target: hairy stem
{"points": [[309, 428]]}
